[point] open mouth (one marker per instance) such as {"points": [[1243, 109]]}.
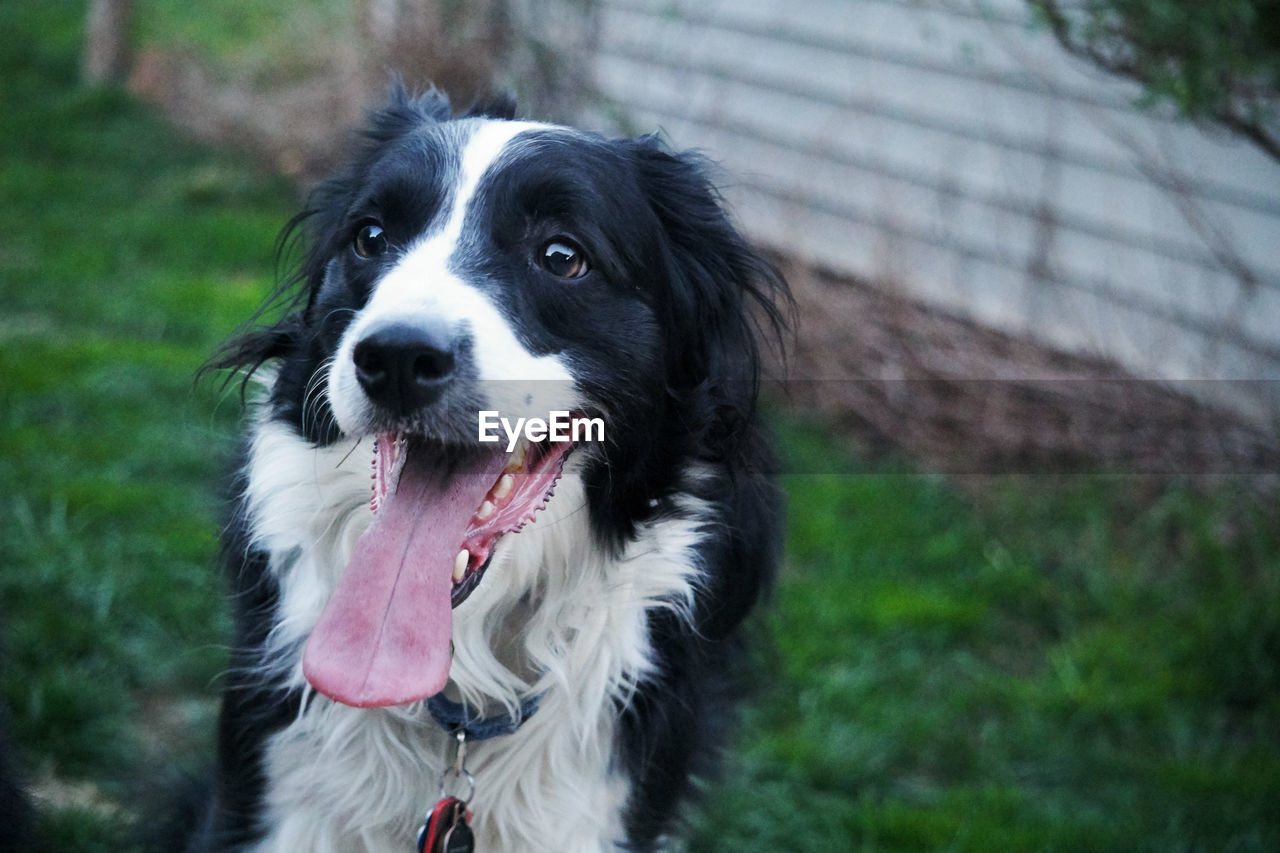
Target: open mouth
{"points": [[384, 637], [525, 483]]}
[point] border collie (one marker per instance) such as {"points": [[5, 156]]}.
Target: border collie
{"points": [[573, 608]]}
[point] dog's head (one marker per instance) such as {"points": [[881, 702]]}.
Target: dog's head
{"points": [[482, 264]]}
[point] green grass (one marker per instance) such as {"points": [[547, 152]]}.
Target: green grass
{"points": [[126, 253], [1056, 664], [1027, 664]]}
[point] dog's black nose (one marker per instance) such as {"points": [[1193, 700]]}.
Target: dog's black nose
{"points": [[403, 368]]}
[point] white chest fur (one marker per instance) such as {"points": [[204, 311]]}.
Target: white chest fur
{"points": [[555, 615]]}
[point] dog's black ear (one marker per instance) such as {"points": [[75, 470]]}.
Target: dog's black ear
{"points": [[404, 112], [719, 296], [500, 105]]}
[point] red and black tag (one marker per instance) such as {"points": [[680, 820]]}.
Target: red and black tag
{"points": [[446, 829]]}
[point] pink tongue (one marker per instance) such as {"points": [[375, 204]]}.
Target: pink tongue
{"points": [[383, 638]]}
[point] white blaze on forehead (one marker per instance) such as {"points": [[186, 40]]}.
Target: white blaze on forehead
{"points": [[422, 286], [486, 145]]}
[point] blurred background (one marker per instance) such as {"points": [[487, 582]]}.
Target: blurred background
{"points": [[1029, 418]]}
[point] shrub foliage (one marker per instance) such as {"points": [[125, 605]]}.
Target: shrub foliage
{"points": [[1217, 61]]}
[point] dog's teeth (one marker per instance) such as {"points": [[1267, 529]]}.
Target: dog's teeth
{"points": [[505, 483], [517, 455], [460, 565], [485, 510]]}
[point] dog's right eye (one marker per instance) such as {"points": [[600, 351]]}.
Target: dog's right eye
{"points": [[370, 241], [563, 258]]}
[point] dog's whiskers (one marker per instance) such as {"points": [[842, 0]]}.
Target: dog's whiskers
{"points": [[311, 394]]}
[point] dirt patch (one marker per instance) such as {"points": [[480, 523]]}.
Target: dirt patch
{"points": [[894, 375], [298, 128], [294, 97]]}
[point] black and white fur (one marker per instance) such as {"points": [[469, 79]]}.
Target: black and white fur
{"points": [[622, 603]]}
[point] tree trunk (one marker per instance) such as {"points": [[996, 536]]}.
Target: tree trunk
{"points": [[106, 41]]}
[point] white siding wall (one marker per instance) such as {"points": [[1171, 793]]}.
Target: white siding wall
{"points": [[949, 150]]}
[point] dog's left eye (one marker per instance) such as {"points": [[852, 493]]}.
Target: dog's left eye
{"points": [[370, 241], [563, 258]]}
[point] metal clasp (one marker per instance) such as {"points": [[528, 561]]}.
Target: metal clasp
{"points": [[458, 773]]}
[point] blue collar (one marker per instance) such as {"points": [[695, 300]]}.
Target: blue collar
{"points": [[456, 717]]}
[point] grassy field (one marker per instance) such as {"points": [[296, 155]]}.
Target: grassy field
{"points": [[1022, 664]]}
